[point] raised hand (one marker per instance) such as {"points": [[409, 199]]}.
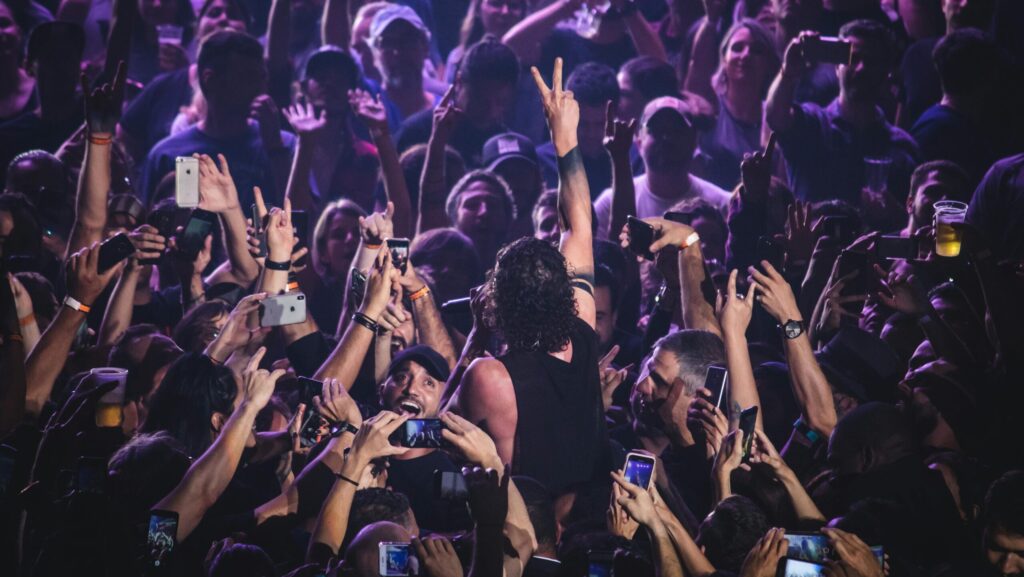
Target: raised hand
{"points": [[437, 557], [335, 404], [446, 116], [763, 559], [560, 108], [22, 300], [775, 294], [488, 495], [264, 111], [304, 120], [734, 311], [834, 311], [903, 294], [381, 281], [729, 457], [78, 411], [801, 234], [394, 314], [148, 241], [369, 109], [666, 233], [238, 330], [258, 384], [280, 234], [372, 440], [611, 378], [619, 521], [853, 553], [217, 192], [103, 104], [796, 59], [186, 269], [85, 282], [711, 419], [756, 173], [764, 451], [378, 227], [618, 135], [636, 501], [470, 441]]}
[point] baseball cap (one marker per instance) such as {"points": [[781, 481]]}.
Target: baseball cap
{"points": [[394, 12], [506, 146], [424, 356], [667, 103], [330, 58]]}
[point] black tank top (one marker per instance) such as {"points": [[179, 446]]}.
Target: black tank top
{"points": [[561, 438]]}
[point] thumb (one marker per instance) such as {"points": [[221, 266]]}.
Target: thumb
{"points": [[390, 210]]}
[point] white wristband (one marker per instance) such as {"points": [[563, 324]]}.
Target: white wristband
{"points": [[75, 305], [690, 241]]}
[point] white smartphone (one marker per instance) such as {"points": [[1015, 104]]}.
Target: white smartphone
{"points": [[639, 469], [395, 559], [186, 181], [286, 309]]}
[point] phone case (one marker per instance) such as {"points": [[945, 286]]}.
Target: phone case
{"points": [[114, 250], [286, 309], [186, 181]]}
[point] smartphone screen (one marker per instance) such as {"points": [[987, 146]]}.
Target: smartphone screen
{"points": [[771, 251], [114, 250], [90, 475], [163, 535], [795, 568], [830, 50], [748, 419], [896, 247], [420, 434], [715, 381], [393, 558], [450, 486], [600, 563], [198, 227], [314, 428], [641, 237], [399, 252], [639, 469], [811, 547]]}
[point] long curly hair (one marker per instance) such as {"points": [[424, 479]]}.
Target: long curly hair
{"points": [[530, 297]]}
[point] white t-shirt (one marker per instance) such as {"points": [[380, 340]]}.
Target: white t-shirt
{"points": [[648, 204]]}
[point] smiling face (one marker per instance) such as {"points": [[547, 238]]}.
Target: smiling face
{"points": [[411, 390], [745, 60]]}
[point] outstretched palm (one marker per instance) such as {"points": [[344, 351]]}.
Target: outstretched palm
{"points": [[304, 119], [217, 192], [368, 109]]}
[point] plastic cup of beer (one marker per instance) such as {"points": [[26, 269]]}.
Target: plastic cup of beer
{"points": [[169, 34], [109, 411], [947, 238], [876, 173]]}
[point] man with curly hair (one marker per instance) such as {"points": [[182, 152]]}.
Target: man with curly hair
{"points": [[541, 400]]}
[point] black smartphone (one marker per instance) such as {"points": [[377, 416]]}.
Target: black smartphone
{"points": [[680, 217], [715, 381], [748, 419], [114, 250], [771, 251], [865, 281], [300, 226], [461, 306], [600, 563], [813, 547], [828, 50], [199, 226], [90, 475], [420, 434], [641, 237], [399, 248], [309, 388], [896, 247], [163, 222], [357, 286], [163, 535], [839, 228], [259, 227], [450, 486]]}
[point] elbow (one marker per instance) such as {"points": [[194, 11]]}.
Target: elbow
{"points": [[822, 424]]}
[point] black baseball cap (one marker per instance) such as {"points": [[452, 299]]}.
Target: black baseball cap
{"points": [[424, 356], [331, 58], [506, 146]]}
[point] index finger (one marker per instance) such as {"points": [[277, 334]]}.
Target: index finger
{"points": [[539, 81], [261, 208], [608, 358], [730, 288], [447, 98], [254, 362], [556, 77], [769, 149]]}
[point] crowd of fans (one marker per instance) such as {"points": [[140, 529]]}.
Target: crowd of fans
{"points": [[452, 270]]}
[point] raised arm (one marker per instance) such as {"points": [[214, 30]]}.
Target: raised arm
{"points": [[309, 128], [810, 387], [217, 193], [27, 325], [645, 37], [433, 190], [371, 112], [574, 210], [279, 30], [734, 313], [778, 108], [207, 478], [704, 55], [334, 27], [527, 37], [691, 555], [430, 328], [618, 139], [102, 111], [44, 363], [12, 356], [764, 452], [118, 316], [639, 504]]}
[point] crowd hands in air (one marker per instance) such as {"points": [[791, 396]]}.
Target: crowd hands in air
{"points": [[337, 306]]}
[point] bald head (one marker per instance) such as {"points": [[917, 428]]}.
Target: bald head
{"points": [[362, 557]]}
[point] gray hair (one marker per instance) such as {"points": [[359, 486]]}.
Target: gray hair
{"points": [[695, 351]]}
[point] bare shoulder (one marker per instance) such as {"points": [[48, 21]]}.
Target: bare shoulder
{"points": [[487, 374]]}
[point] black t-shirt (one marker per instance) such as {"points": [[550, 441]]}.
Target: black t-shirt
{"points": [[690, 472], [415, 479], [467, 139], [575, 50], [561, 438], [148, 118], [921, 86]]}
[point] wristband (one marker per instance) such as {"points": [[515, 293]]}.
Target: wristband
{"points": [[415, 296], [278, 265], [366, 322], [346, 479], [291, 286], [691, 240], [214, 360], [27, 319], [101, 140], [73, 304], [372, 246], [340, 427], [805, 430]]}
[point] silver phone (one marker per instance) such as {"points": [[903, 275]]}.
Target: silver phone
{"points": [[286, 309], [186, 181]]}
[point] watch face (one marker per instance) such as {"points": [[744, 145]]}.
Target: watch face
{"points": [[793, 329]]}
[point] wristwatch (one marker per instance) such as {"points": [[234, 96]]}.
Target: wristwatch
{"points": [[792, 329], [342, 427]]}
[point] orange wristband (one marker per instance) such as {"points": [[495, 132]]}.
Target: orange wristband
{"points": [[419, 294], [294, 285], [27, 320], [75, 305], [372, 246], [101, 140]]}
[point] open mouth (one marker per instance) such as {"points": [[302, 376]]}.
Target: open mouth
{"points": [[410, 408]]}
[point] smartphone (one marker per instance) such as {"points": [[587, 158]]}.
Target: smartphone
{"points": [[399, 248], [458, 306], [600, 563], [8, 455], [357, 286], [813, 547], [862, 283], [394, 558], [680, 217], [186, 181], [420, 434], [199, 226], [879, 553], [797, 568], [90, 475], [715, 381], [163, 222], [639, 469], [163, 535], [771, 251], [300, 226], [839, 228], [450, 486], [829, 50], [260, 230], [114, 250], [896, 247], [641, 237], [309, 388], [748, 419], [285, 309]]}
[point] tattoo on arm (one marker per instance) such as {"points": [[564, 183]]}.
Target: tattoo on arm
{"points": [[734, 411]]}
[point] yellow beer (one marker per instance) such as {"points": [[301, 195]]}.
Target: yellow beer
{"points": [[947, 238], [109, 408], [108, 415]]}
